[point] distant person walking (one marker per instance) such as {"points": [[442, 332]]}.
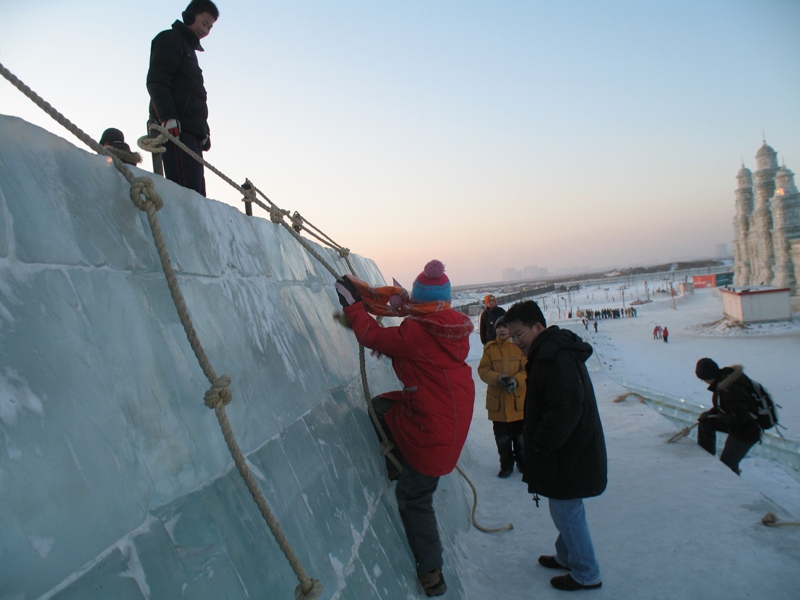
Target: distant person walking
{"points": [[595, 325], [730, 412], [565, 450], [490, 314], [655, 332], [178, 99], [502, 368], [665, 334]]}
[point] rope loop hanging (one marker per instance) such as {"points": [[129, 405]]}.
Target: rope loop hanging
{"points": [[144, 194], [154, 145]]}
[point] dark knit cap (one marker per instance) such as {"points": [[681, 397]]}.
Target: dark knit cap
{"points": [[111, 135], [501, 322], [706, 369]]}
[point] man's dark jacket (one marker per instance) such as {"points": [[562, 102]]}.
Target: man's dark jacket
{"points": [[488, 318], [732, 401], [564, 444], [175, 80]]}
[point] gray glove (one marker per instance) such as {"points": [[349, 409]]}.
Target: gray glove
{"points": [[511, 385]]}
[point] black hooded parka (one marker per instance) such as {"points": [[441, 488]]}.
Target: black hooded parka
{"points": [[564, 442]]}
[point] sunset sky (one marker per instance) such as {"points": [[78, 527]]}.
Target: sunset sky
{"points": [[485, 134]]}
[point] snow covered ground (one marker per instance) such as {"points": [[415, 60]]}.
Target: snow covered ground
{"points": [[674, 522]]}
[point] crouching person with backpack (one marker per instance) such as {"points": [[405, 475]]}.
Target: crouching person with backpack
{"points": [[731, 412]]}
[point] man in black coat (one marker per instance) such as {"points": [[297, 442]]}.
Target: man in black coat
{"points": [[178, 98], [489, 316], [565, 449], [730, 412]]}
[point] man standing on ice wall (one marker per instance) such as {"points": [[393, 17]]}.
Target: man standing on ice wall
{"points": [[429, 418], [178, 99], [565, 450]]}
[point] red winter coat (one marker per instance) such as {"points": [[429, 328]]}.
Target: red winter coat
{"points": [[432, 414]]}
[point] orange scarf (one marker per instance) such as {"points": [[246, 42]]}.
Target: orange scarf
{"points": [[393, 300]]}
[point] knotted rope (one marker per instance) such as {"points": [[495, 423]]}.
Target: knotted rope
{"points": [[771, 520], [622, 397], [681, 434], [146, 198]]}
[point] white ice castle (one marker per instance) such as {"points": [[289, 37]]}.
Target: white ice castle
{"points": [[767, 224]]}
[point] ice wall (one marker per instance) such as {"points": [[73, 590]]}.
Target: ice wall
{"points": [[115, 480]]}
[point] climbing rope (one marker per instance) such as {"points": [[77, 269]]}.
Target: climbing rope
{"points": [[622, 397], [681, 434], [146, 198], [277, 215], [772, 520], [475, 508]]}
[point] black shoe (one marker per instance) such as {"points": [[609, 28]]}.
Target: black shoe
{"points": [[520, 467], [505, 472], [546, 560], [568, 584], [433, 583]]}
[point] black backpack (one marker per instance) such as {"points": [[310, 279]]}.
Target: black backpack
{"points": [[762, 407]]}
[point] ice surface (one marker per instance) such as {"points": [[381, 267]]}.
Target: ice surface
{"points": [[114, 476]]}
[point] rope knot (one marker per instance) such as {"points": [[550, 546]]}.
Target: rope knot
{"points": [[275, 214], [154, 145], [297, 222], [219, 394], [315, 591], [143, 194], [344, 252], [770, 519]]}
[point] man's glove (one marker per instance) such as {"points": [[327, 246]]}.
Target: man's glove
{"points": [[173, 126], [707, 416], [205, 145], [502, 380], [511, 385], [347, 292]]}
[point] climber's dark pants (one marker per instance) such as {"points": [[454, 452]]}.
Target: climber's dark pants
{"points": [[414, 494]]}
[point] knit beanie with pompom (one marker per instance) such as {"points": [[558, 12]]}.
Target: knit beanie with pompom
{"points": [[432, 284]]}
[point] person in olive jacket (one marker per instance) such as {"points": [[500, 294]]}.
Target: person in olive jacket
{"points": [[178, 99], [502, 368], [730, 412], [565, 450]]}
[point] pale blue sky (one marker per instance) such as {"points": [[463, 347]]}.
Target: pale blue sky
{"points": [[486, 134]]}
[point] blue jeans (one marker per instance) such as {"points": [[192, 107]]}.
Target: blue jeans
{"points": [[574, 547]]}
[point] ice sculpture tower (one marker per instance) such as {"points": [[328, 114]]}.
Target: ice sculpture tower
{"points": [[767, 224]]}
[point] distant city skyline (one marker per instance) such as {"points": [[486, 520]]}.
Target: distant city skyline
{"points": [[486, 135]]}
